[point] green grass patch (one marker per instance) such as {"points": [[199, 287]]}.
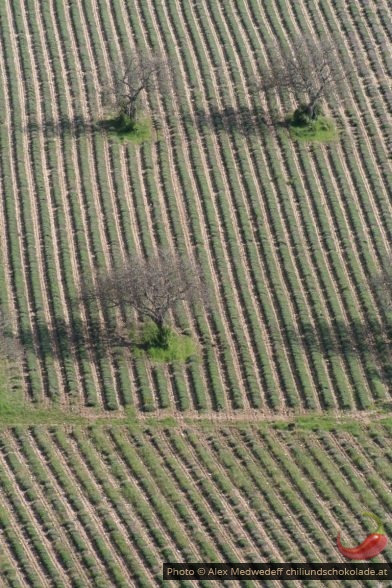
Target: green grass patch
{"points": [[124, 129], [11, 404], [16, 410], [387, 422], [131, 414], [165, 423], [202, 424], [179, 348], [320, 423], [317, 423], [320, 130]]}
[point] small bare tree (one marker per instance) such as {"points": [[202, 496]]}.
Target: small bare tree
{"points": [[309, 70], [152, 286], [140, 71]]}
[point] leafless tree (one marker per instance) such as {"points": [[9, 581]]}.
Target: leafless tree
{"points": [[140, 71], [152, 286], [309, 70]]}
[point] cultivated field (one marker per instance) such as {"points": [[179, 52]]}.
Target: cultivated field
{"points": [[289, 236], [105, 507]]}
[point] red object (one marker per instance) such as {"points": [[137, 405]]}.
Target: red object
{"points": [[371, 546]]}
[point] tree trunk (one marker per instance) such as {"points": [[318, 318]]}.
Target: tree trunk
{"points": [[131, 105], [131, 109], [311, 109], [160, 322], [163, 335]]}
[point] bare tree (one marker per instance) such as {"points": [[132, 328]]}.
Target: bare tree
{"points": [[309, 70], [140, 71], [152, 286]]}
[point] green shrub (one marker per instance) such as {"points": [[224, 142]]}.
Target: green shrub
{"points": [[300, 117]]}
